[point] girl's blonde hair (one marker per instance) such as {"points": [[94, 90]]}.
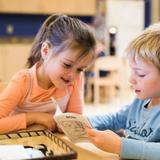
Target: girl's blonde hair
{"points": [[147, 45], [63, 32]]}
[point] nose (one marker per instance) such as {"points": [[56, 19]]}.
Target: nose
{"points": [[71, 74], [132, 79]]}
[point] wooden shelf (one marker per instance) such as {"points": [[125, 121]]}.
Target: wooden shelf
{"points": [[13, 57], [70, 7]]}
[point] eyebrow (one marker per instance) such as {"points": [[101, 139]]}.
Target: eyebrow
{"points": [[74, 62], [69, 60], [83, 67], [137, 68]]}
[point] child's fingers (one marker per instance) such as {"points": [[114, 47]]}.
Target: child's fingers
{"points": [[90, 132], [92, 140], [93, 136], [59, 129]]}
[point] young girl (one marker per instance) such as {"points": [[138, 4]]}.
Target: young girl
{"points": [[141, 119], [63, 48]]}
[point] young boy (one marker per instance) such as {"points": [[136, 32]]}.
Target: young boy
{"points": [[141, 119]]}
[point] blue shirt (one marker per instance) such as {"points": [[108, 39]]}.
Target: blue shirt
{"points": [[141, 127]]}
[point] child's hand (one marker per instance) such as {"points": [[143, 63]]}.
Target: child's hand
{"points": [[43, 119], [59, 129], [105, 140]]}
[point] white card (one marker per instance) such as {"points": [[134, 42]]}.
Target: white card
{"points": [[13, 152]]}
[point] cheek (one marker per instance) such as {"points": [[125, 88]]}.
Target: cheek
{"points": [[150, 84], [51, 69], [56, 71], [53, 72]]}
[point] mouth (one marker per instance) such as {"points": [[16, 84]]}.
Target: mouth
{"points": [[137, 91], [66, 81]]}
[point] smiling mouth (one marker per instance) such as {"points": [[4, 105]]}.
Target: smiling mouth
{"points": [[66, 80]]}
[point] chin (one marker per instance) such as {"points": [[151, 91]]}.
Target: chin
{"points": [[60, 86], [142, 97]]}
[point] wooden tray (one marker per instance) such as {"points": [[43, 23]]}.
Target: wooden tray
{"points": [[56, 149]]}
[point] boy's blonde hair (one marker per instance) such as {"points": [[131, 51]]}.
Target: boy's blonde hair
{"points": [[147, 45]]}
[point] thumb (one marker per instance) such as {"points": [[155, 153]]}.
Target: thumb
{"points": [[91, 132]]}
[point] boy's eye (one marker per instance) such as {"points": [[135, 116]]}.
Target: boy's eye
{"points": [[67, 65], [141, 75]]}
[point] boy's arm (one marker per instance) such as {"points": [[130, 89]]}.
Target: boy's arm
{"points": [[105, 140], [112, 121], [125, 147], [136, 149]]}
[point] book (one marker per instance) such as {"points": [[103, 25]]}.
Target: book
{"points": [[73, 125]]}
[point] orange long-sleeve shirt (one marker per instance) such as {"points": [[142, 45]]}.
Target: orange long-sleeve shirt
{"points": [[17, 90]]}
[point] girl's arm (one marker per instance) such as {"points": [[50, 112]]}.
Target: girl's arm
{"points": [[13, 95], [76, 99], [43, 119], [9, 98], [12, 123]]}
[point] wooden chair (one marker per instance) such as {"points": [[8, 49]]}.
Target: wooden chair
{"points": [[112, 65]]}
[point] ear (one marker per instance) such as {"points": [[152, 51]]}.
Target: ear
{"points": [[45, 49]]}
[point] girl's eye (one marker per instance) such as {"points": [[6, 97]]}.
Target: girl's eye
{"points": [[67, 65], [80, 70]]}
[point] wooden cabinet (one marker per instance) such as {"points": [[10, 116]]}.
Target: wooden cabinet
{"points": [[72, 7], [12, 58], [23, 18]]}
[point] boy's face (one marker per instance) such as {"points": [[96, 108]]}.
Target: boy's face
{"points": [[145, 79]]}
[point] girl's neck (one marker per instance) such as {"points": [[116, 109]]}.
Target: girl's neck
{"points": [[42, 79]]}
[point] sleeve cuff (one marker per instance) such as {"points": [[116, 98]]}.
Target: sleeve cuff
{"points": [[138, 149], [132, 149]]}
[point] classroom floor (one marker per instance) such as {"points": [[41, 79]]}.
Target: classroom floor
{"points": [[110, 106]]}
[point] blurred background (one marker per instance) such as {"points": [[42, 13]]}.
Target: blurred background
{"points": [[115, 23]]}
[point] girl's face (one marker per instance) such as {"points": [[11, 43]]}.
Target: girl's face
{"points": [[145, 78], [62, 69]]}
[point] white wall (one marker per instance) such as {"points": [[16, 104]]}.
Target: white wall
{"points": [[128, 17]]}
